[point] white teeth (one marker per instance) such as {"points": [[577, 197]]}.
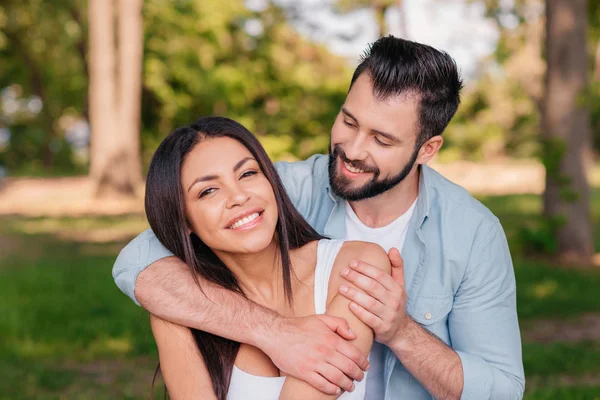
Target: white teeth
{"points": [[244, 221], [352, 169]]}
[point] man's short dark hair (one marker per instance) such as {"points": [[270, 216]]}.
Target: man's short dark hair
{"points": [[397, 66]]}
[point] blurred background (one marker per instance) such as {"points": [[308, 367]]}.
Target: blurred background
{"points": [[88, 89]]}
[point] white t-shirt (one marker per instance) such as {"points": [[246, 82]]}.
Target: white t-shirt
{"points": [[391, 235]]}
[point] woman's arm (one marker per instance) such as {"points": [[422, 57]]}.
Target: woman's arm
{"points": [[295, 389], [181, 364], [297, 346]]}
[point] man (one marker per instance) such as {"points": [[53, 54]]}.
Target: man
{"points": [[446, 322]]}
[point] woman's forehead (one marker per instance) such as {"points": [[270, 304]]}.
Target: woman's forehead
{"points": [[214, 156]]}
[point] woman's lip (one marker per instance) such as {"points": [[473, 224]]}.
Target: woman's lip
{"points": [[243, 215], [250, 224]]}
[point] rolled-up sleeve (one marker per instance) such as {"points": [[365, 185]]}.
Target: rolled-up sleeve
{"points": [[134, 258], [483, 324]]}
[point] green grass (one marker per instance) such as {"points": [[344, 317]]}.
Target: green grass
{"points": [[68, 333]]}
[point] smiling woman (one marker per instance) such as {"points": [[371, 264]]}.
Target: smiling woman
{"points": [[214, 199]]}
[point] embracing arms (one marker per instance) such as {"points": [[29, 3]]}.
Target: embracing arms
{"points": [[186, 375], [296, 389], [164, 285]]}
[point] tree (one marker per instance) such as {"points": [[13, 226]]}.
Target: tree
{"points": [[115, 95], [379, 7], [566, 128], [42, 45]]}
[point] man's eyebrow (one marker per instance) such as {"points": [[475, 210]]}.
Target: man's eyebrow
{"points": [[388, 136], [348, 113], [205, 178]]}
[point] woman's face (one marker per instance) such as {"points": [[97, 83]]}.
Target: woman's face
{"points": [[229, 202]]}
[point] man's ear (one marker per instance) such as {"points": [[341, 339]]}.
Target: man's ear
{"points": [[429, 149]]}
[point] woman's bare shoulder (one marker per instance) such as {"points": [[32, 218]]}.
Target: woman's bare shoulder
{"points": [[370, 253]]}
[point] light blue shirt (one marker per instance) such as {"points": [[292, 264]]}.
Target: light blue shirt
{"points": [[458, 274]]}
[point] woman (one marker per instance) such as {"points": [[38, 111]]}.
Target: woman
{"points": [[214, 199]]}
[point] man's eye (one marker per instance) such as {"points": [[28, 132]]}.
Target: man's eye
{"points": [[349, 124], [248, 173], [379, 142], [206, 192]]}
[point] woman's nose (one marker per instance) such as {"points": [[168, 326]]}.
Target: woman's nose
{"points": [[237, 197]]}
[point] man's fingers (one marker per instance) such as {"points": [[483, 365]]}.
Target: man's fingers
{"points": [[379, 276], [362, 278], [397, 265], [370, 303], [365, 316], [336, 377], [338, 325], [347, 366], [323, 385], [355, 355]]}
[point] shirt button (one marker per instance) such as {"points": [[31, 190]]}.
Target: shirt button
{"points": [[428, 315]]}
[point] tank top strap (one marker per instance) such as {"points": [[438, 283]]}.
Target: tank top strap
{"points": [[327, 251]]}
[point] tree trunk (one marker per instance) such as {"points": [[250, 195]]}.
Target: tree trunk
{"points": [[130, 83], [597, 62], [102, 84], [114, 120], [566, 129], [380, 10], [403, 19]]}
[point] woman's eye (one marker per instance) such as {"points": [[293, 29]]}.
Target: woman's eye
{"points": [[206, 192], [248, 173]]}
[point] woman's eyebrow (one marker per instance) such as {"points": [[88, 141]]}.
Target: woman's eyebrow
{"points": [[205, 178], [241, 163]]}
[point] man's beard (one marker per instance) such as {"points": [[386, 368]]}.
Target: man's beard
{"points": [[341, 185]]}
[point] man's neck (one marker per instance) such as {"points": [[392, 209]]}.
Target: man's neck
{"points": [[381, 210]]}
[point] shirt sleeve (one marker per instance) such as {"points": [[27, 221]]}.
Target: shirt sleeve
{"points": [[483, 324], [297, 178], [134, 258]]}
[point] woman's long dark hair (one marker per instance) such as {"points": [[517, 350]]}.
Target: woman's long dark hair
{"points": [[165, 210]]}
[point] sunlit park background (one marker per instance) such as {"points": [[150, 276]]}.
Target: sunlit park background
{"points": [[88, 89]]}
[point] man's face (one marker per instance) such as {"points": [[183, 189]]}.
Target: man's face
{"points": [[372, 142]]}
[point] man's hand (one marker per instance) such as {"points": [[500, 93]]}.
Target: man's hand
{"points": [[315, 350], [381, 300]]}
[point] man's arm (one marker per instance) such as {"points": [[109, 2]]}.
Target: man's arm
{"points": [[382, 306], [299, 346], [295, 389], [485, 359], [483, 323]]}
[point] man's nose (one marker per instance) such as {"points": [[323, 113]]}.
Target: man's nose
{"points": [[356, 149]]}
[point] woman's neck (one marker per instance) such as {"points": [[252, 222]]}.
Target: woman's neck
{"points": [[258, 274]]}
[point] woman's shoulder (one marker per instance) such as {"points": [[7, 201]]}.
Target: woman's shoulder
{"points": [[370, 253]]}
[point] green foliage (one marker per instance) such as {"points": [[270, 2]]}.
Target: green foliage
{"points": [[200, 58], [40, 47]]}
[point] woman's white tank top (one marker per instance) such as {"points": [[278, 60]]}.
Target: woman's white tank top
{"points": [[245, 386]]}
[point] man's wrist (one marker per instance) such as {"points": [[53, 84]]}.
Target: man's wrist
{"points": [[263, 334], [405, 338]]}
